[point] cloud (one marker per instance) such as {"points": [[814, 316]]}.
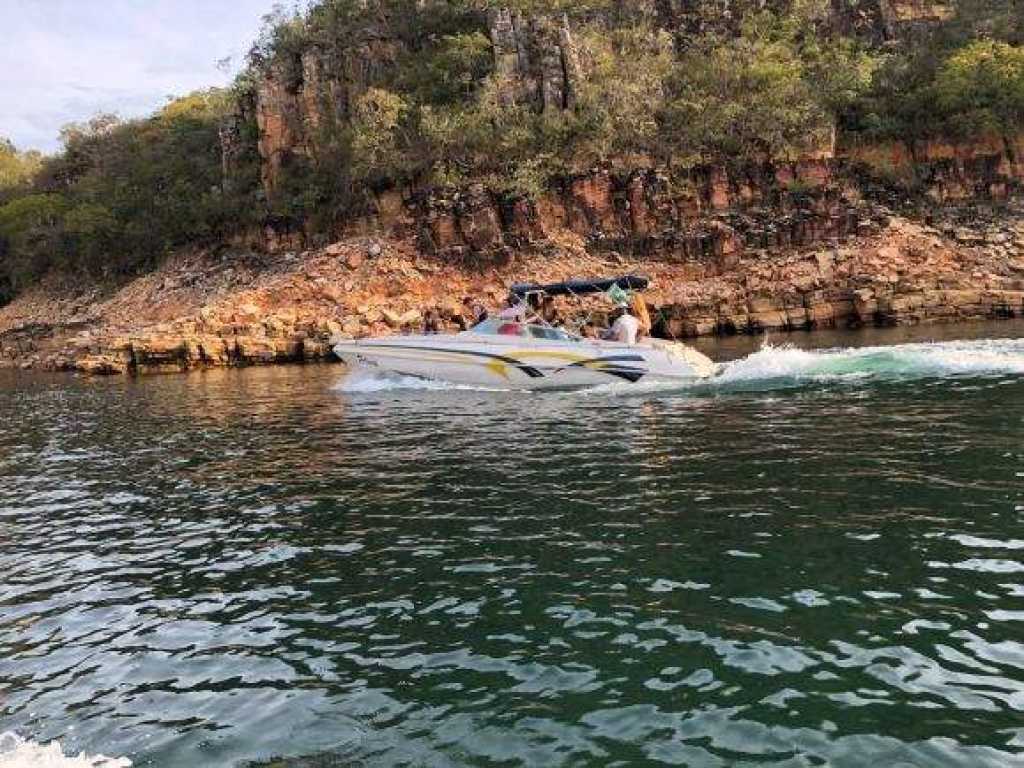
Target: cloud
{"points": [[66, 60]]}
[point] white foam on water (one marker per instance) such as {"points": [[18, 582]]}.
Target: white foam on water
{"points": [[363, 383], [901, 361], [642, 387], [786, 365], [16, 752]]}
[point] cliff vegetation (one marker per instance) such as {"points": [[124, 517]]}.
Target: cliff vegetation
{"points": [[350, 100]]}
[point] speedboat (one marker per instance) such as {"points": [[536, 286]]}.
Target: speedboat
{"points": [[511, 353]]}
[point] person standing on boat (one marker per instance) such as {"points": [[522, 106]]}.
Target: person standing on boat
{"points": [[625, 327]]}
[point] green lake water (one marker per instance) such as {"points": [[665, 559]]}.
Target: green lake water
{"points": [[816, 559]]}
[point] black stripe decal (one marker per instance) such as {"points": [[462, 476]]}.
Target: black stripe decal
{"points": [[629, 375], [611, 359]]}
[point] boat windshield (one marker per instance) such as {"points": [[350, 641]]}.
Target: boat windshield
{"points": [[495, 326]]}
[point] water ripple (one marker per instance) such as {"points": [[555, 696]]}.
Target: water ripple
{"points": [[238, 566]]}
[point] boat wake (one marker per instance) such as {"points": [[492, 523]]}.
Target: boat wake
{"points": [[785, 366], [16, 752], [789, 364]]}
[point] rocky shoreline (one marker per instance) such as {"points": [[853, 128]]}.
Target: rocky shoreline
{"points": [[204, 310], [837, 230]]}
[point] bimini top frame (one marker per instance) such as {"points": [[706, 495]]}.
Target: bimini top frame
{"points": [[581, 287]]}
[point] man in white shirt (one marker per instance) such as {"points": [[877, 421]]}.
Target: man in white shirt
{"points": [[625, 328]]}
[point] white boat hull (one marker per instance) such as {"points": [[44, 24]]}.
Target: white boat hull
{"points": [[528, 364]]}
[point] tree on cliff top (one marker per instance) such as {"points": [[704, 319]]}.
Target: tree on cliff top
{"points": [[17, 170], [122, 194], [981, 87], [17, 167], [772, 91]]}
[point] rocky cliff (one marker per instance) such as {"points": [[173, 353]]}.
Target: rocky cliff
{"points": [[716, 212], [716, 215], [847, 234], [199, 311], [301, 99]]}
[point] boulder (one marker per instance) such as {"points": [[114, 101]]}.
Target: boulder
{"points": [[101, 365]]}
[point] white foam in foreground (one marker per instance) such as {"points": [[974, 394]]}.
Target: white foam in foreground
{"points": [[16, 752]]}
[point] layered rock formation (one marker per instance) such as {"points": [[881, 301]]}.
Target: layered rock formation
{"points": [[719, 212], [987, 168], [300, 99], [536, 58], [897, 14], [304, 95], [200, 311], [905, 274], [642, 211]]}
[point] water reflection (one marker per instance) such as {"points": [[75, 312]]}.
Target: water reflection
{"points": [[234, 566]]}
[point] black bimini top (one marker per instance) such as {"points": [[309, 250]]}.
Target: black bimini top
{"points": [[581, 287]]}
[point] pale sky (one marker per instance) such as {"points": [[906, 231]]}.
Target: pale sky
{"points": [[64, 61]]}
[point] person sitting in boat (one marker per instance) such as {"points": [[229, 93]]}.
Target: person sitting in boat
{"points": [[625, 327], [473, 313], [432, 322], [515, 310], [638, 308], [549, 312]]}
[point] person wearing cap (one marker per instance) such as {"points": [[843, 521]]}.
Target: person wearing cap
{"points": [[625, 327]]}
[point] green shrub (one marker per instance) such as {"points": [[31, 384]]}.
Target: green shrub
{"points": [[123, 194], [16, 167], [981, 87], [764, 94]]}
